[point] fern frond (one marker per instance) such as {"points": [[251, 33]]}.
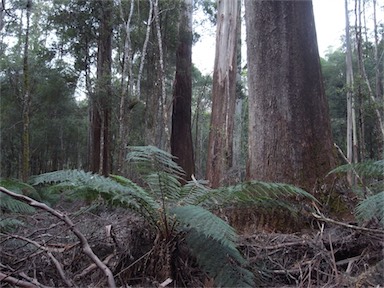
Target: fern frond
{"points": [[194, 192], [372, 206], [213, 242], [164, 186], [205, 223], [151, 159], [126, 193], [222, 262], [20, 187], [370, 168], [256, 193], [10, 204], [9, 224]]}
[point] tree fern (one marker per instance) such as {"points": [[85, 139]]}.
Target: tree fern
{"points": [[174, 209], [113, 190]]}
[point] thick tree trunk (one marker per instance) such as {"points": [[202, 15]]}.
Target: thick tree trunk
{"points": [[223, 93], [289, 127], [100, 110], [181, 137]]}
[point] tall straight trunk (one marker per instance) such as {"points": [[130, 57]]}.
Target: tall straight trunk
{"points": [[223, 93], [26, 101], [163, 132], [125, 92], [144, 50], [357, 106], [351, 127], [100, 114], [289, 126], [181, 137], [238, 117], [379, 95]]}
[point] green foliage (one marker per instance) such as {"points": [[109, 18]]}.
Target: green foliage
{"points": [[373, 173], [9, 224], [372, 206], [115, 190], [10, 206], [370, 168]]}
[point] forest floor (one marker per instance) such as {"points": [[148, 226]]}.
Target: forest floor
{"points": [[45, 253]]}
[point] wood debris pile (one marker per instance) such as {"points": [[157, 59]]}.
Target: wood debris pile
{"points": [[333, 257]]}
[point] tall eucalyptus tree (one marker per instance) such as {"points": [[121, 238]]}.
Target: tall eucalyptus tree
{"points": [[181, 135], [101, 100], [223, 93], [26, 104], [289, 127]]}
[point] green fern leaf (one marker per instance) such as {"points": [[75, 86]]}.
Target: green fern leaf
{"points": [[223, 263], [151, 159], [370, 168], [85, 183], [20, 187], [205, 223], [372, 206], [9, 224], [10, 204], [194, 192], [164, 186], [256, 193]]}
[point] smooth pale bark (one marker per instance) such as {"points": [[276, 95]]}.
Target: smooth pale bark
{"points": [[181, 137], [289, 127], [163, 133], [351, 122], [125, 92], [223, 93]]}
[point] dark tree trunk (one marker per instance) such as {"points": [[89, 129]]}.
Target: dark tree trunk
{"points": [[289, 127], [100, 110], [181, 137], [26, 105]]}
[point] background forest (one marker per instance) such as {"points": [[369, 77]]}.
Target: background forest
{"points": [[62, 84], [100, 101]]}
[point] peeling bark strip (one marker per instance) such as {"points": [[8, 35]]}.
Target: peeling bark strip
{"points": [[289, 127], [223, 93]]}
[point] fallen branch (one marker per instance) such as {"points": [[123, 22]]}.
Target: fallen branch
{"points": [[16, 282], [63, 217], [329, 220]]}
